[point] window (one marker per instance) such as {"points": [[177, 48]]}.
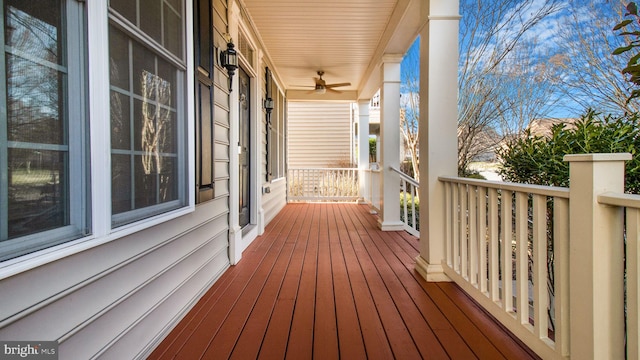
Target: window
{"points": [[276, 143], [43, 178], [147, 78]]}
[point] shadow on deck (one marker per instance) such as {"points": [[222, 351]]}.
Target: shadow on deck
{"points": [[324, 283]]}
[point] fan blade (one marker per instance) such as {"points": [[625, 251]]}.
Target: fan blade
{"points": [[337, 85], [333, 91]]}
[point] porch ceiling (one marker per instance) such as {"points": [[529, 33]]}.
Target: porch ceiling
{"points": [[344, 38]]}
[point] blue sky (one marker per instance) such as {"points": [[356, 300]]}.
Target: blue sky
{"points": [[547, 41]]}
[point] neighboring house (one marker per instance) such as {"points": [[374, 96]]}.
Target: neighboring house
{"points": [[320, 135], [542, 127]]}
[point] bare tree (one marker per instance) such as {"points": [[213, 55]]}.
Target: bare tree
{"points": [[410, 104], [591, 74], [499, 88]]}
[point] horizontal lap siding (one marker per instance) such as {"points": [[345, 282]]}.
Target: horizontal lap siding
{"points": [[118, 287], [319, 134], [121, 298], [274, 201]]}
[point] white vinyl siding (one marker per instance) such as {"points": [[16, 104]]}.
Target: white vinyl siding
{"points": [[117, 293], [319, 134]]}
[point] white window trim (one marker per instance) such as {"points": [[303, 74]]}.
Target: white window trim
{"points": [[76, 147], [98, 19], [98, 87]]}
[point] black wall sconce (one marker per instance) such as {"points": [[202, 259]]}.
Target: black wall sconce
{"points": [[268, 105], [229, 60]]}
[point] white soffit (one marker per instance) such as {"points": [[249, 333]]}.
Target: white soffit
{"points": [[343, 38]]}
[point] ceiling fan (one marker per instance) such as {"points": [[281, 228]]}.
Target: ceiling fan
{"points": [[321, 86]]}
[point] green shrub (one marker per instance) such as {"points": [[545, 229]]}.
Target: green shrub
{"points": [[410, 200], [539, 160]]}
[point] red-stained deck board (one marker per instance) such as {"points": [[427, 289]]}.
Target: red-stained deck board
{"points": [[274, 344], [349, 331], [192, 322], [235, 295], [323, 282], [300, 344]]}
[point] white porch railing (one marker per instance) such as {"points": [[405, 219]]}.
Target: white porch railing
{"points": [[409, 203], [372, 188], [631, 204], [322, 184], [504, 244], [559, 267]]}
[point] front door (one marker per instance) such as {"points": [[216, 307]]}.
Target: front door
{"points": [[243, 147]]}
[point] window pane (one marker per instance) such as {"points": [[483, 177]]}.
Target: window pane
{"points": [[120, 122], [167, 74], [172, 31], [167, 143], [39, 185], [118, 59], [143, 62], [175, 4], [146, 180], [35, 27], [126, 8], [120, 184], [151, 18], [34, 105], [168, 180]]}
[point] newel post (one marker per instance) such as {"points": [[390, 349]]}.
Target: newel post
{"points": [[596, 257], [363, 147]]}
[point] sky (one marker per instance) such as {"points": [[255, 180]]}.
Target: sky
{"points": [[547, 39]]}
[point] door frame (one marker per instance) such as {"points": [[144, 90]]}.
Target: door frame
{"points": [[239, 238], [249, 153]]}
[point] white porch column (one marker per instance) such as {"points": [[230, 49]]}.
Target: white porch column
{"points": [[363, 146], [596, 257], [438, 127], [390, 143]]}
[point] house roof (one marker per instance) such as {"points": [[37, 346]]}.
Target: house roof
{"points": [[542, 127], [344, 38]]}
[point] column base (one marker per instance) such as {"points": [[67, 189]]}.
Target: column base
{"points": [[391, 225], [431, 272], [235, 245]]}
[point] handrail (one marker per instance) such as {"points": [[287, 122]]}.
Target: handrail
{"points": [[406, 177], [408, 193], [553, 191], [622, 200]]}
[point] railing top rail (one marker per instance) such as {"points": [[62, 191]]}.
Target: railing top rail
{"points": [[555, 191], [322, 168], [406, 177], [620, 199]]}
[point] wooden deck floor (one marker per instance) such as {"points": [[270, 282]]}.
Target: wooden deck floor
{"points": [[324, 283]]}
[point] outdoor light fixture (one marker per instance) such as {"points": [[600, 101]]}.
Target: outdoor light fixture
{"points": [[268, 105], [229, 60]]}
